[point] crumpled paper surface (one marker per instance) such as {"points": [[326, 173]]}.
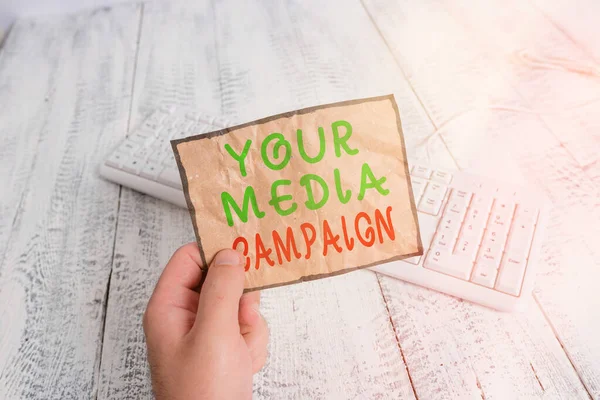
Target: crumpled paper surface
{"points": [[343, 234]]}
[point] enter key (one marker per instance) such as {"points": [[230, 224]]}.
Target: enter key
{"points": [[514, 262]]}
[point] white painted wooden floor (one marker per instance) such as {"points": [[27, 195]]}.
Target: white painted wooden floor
{"points": [[507, 88]]}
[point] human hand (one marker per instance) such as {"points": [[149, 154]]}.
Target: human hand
{"points": [[204, 345]]}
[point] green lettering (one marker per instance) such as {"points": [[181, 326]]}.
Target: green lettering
{"points": [[280, 142], [306, 182], [338, 188], [229, 203], [303, 154], [373, 183], [340, 142], [240, 157], [275, 199]]}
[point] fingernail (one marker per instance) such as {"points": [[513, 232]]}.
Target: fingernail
{"points": [[228, 257], [256, 308]]}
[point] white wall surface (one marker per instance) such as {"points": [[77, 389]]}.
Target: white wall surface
{"points": [[13, 9]]}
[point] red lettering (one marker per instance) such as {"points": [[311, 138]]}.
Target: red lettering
{"points": [[349, 241], [261, 253], [389, 227], [244, 252], [369, 232], [290, 244], [309, 242], [329, 238]]}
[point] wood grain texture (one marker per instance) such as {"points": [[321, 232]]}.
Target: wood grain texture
{"points": [[578, 24], [468, 85], [508, 91], [455, 349], [64, 100], [578, 21], [331, 338], [553, 75]]}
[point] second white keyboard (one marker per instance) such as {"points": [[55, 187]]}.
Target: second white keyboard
{"points": [[481, 238]]}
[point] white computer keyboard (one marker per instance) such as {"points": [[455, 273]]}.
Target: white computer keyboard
{"points": [[481, 238]]}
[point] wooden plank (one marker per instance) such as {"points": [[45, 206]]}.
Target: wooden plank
{"points": [[578, 21], [455, 349], [329, 338], [579, 25], [462, 83], [525, 32], [21, 135], [65, 86], [558, 80]]}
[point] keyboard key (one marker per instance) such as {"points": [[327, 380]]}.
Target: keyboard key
{"points": [[441, 177], [432, 198], [186, 126], [482, 201], [502, 211], [511, 275], [149, 125], [192, 116], [442, 260], [520, 238], [158, 117], [171, 132], [418, 186], [143, 152], [141, 137], [526, 214], [161, 144], [421, 172], [477, 215], [496, 235], [128, 147], [159, 155], [491, 247], [182, 133], [471, 232], [413, 260], [467, 248], [116, 159], [133, 165], [485, 272], [167, 122], [447, 232], [427, 227], [499, 222], [157, 133], [168, 109], [219, 122], [150, 171], [169, 160], [458, 203], [170, 177]]}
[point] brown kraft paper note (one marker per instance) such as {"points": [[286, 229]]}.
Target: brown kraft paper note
{"points": [[305, 194]]}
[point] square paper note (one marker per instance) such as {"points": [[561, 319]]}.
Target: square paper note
{"points": [[303, 195]]}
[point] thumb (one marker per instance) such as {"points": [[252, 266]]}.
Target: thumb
{"points": [[220, 294]]}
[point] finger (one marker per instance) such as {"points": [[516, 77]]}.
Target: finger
{"points": [[172, 308], [249, 311], [182, 272], [221, 292], [255, 332]]}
